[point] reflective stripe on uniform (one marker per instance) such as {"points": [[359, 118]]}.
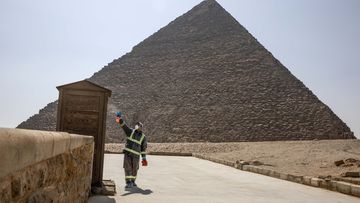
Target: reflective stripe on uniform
{"points": [[130, 177], [132, 151], [142, 137], [134, 140], [143, 152]]}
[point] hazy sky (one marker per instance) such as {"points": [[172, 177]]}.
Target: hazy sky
{"points": [[45, 43]]}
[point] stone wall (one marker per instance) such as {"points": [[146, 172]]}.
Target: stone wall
{"points": [[39, 166]]}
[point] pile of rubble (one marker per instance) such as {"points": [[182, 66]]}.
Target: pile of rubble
{"points": [[350, 162], [253, 163]]}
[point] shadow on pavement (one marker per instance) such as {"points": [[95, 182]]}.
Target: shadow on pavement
{"points": [[101, 199], [137, 190]]}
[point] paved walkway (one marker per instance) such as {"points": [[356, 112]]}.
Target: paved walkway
{"points": [[188, 179]]}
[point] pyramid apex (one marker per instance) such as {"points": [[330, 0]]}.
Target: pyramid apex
{"points": [[207, 3], [211, 2], [208, 18]]}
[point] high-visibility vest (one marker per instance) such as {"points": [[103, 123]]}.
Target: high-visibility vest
{"points": [[139, 142]]}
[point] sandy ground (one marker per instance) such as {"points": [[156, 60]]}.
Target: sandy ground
{"points": [[310, 158]]}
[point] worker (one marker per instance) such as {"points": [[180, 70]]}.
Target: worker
{"points": [[135, 147]]}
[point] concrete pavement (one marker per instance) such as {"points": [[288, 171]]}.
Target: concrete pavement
{"points": [[191, 180]]}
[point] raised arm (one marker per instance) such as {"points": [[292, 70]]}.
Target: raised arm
{"points": [[126, 129]]}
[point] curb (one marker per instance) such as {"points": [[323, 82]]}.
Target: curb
{"points": [[170, 154], [110, 152], [338, 186], [158, 153]]}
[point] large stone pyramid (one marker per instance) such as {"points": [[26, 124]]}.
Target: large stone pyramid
{"points": [[204, 77]]}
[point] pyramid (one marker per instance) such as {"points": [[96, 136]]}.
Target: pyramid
{"points": [[205, 78]]}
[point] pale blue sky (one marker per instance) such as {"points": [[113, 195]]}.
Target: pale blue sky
{"points": [[45, 43]]}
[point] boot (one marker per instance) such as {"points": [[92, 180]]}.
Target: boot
{"points": [[129, 185]]}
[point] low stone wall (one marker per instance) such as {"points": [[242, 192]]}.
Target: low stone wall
{"points": [[339, 186], [40, 166]]}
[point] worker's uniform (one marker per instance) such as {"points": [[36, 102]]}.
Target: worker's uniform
{"points": [[135, 147]]}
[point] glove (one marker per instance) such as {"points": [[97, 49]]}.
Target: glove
{"points": [[144, 162], [118, 117]]}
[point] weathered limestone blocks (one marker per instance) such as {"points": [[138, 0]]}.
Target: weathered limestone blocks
{"points": [[205, 78], [40, 166]]}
